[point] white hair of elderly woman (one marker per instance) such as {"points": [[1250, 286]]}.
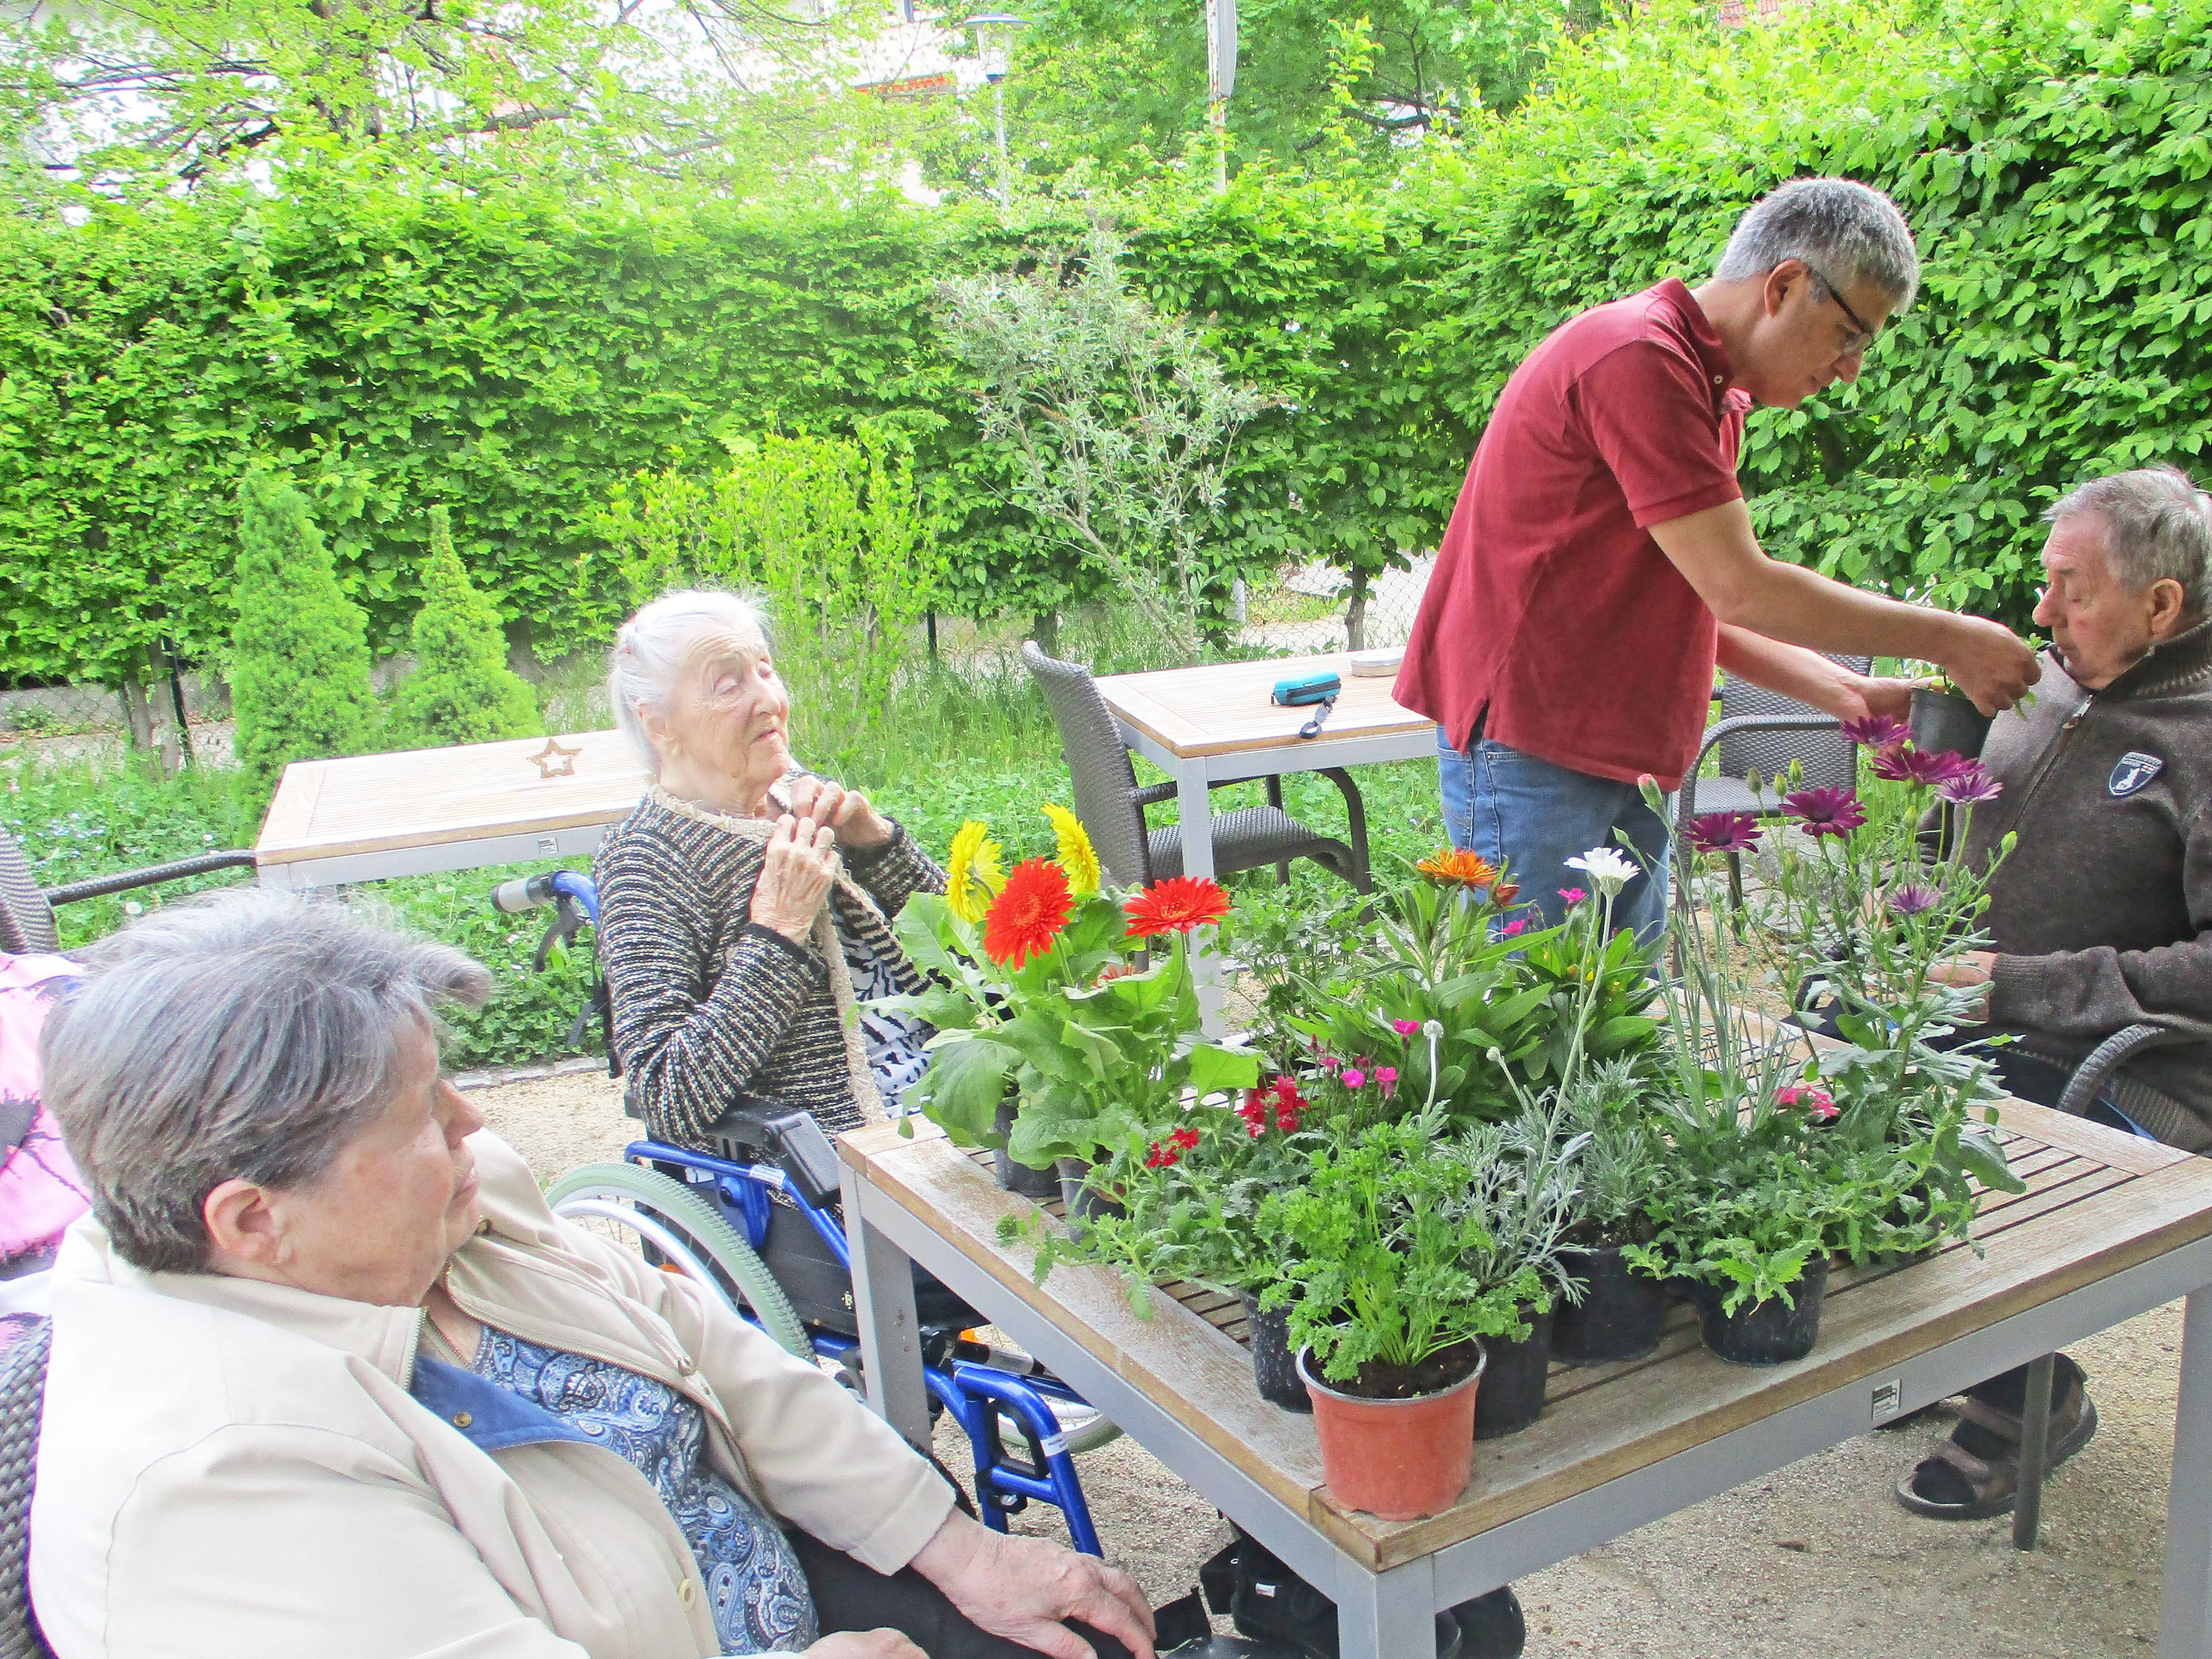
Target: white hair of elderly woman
{"points": [[2158, 527], [1845, 231], [247, 1036], [654, 647]]}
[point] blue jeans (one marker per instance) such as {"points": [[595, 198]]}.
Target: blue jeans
{"points": [[1532, 816]]}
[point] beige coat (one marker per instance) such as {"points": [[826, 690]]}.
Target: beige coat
{"points": [[234, 1470]]}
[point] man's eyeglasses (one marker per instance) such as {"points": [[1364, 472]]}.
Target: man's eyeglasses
{"points": [[1865, 337]]}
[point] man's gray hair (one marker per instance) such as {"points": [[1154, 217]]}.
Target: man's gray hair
{"points": [[2158, 526], [248, 1037], [1846, 231], [652, 650]]}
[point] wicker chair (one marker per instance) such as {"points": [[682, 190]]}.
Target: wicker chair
{"points": [[22, 1403], [1759, 734], [1112, 806], [26, 911]]}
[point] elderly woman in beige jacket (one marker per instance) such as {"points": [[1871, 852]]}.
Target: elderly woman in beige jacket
{"points": [[329, 1378]]}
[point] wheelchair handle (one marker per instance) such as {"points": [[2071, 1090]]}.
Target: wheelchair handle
{"points": [[529, 892]]}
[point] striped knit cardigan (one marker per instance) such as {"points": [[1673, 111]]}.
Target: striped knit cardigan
{"points": [[709, 1006]]}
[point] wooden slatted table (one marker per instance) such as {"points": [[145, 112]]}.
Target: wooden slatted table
{"points": [[374, 816], [2110, 1227]]}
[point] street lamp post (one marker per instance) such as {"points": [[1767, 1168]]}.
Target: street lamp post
{"points": [[994, 39]]}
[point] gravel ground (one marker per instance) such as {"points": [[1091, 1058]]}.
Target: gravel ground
{"points": [[1816, 1561]]}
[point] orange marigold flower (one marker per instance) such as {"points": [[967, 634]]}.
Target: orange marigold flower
{"points": [[1455, 866], [1175, 905], [1029, 913]]}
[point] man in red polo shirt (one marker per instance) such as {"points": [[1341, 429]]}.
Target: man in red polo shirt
{"points": [[1600, 560]]}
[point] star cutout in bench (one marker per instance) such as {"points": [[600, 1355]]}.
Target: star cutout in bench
{"points": [[555, 762]]}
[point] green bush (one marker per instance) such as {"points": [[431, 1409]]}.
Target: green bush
{"points": [[462, 689], [298, 680]]}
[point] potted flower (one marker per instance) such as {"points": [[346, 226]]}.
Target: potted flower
{"points": [[1388, 1314], [1039, 986], [1621, 1310], [1525, 1173]]}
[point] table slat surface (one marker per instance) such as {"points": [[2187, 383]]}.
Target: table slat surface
{"points": [[2097, 1202], [430, 797], [1222, 708]]}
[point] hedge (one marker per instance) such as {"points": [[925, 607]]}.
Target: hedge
{"points": [[515, 352]]}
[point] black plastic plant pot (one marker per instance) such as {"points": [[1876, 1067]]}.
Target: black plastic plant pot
{"points": [[1019, 1178], [1769, 1333], [1620, 1314], [1945, 720], [1274, 1367], [1513, 1379], [1083, 1201]]}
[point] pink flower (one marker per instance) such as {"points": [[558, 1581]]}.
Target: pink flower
{"points": [[1901, 763], [1723, 832], [1573, 895], [1518, 925], [1405, 1027], [1876, 730], [1828, 810], [1330, 1062], [1970, 785], [1354, 1078], [1816, 1102], [1388, 1077], [1911, 898]]}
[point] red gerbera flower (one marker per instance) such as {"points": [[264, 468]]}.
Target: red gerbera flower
{"points": [[1029, 913], [1175, 905]]}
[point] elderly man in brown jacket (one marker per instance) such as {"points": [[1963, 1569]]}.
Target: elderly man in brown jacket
{"points": [[2102, 913]]}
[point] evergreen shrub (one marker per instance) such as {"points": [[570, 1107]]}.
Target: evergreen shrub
{"points": [[299, 679], [462, 689]]}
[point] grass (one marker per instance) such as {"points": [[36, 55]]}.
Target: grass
{"points": [[954, 743]]}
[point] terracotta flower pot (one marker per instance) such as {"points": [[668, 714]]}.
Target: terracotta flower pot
{"points": [[1399, 1459]]}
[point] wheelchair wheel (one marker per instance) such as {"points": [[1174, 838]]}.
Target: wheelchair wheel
{"points": [[647, 1212]]}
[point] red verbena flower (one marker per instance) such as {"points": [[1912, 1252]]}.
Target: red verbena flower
{"points": [[1829, 811], [1814, 1101], [1970, 785], [1901, 763], [1723, 832], [1183, 1140], [1161, 1157], [1029, 913], [1176, 905], [1876, 730]]}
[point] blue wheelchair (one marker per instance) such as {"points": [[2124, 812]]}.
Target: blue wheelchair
{"points": [[755, 1221]]}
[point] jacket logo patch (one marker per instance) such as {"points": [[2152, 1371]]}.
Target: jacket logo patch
{"points": [[2134, 770]]}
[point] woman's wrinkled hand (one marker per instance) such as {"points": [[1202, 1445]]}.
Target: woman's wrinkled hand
{"points": [[1023, 1587], [865, 1644], [858, 824], [797, 873]]}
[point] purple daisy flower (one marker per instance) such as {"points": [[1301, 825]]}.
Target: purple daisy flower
{"points": [[1876, 730], [1723, 832], [1911, 898], [1830, 810], [1969, 785], [1902, 764]]}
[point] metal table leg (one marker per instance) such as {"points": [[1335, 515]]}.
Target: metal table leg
{"points": [[1391, 1615], [2034, 1453], [2184, 1613], [890, 1330], [1194, 815]]}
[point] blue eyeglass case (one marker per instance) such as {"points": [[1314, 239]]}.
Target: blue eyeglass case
{"points": [[1305, 689]]}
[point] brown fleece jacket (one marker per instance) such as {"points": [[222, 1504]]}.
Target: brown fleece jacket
{"points": [[2102, 915]]}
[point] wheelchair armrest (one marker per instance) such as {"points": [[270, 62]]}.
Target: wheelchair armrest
{"points": [[124, 880], [2108, 1057], [790, 1139]]}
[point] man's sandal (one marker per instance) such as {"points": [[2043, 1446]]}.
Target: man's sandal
{"points": [[1975, 1474]]}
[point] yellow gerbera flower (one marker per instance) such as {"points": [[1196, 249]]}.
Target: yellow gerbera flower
{"points": [[1077, 855], [973, 875]]}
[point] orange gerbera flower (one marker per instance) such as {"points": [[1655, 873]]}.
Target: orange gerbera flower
{"points": [[1175, 905], [1455, 866], [1028, 913]]}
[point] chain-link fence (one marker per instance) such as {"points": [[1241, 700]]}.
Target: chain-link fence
{"points": [[71, 722], [1316, 606]]}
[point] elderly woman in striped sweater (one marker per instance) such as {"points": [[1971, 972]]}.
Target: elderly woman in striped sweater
{"points": [[744, 903]]}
